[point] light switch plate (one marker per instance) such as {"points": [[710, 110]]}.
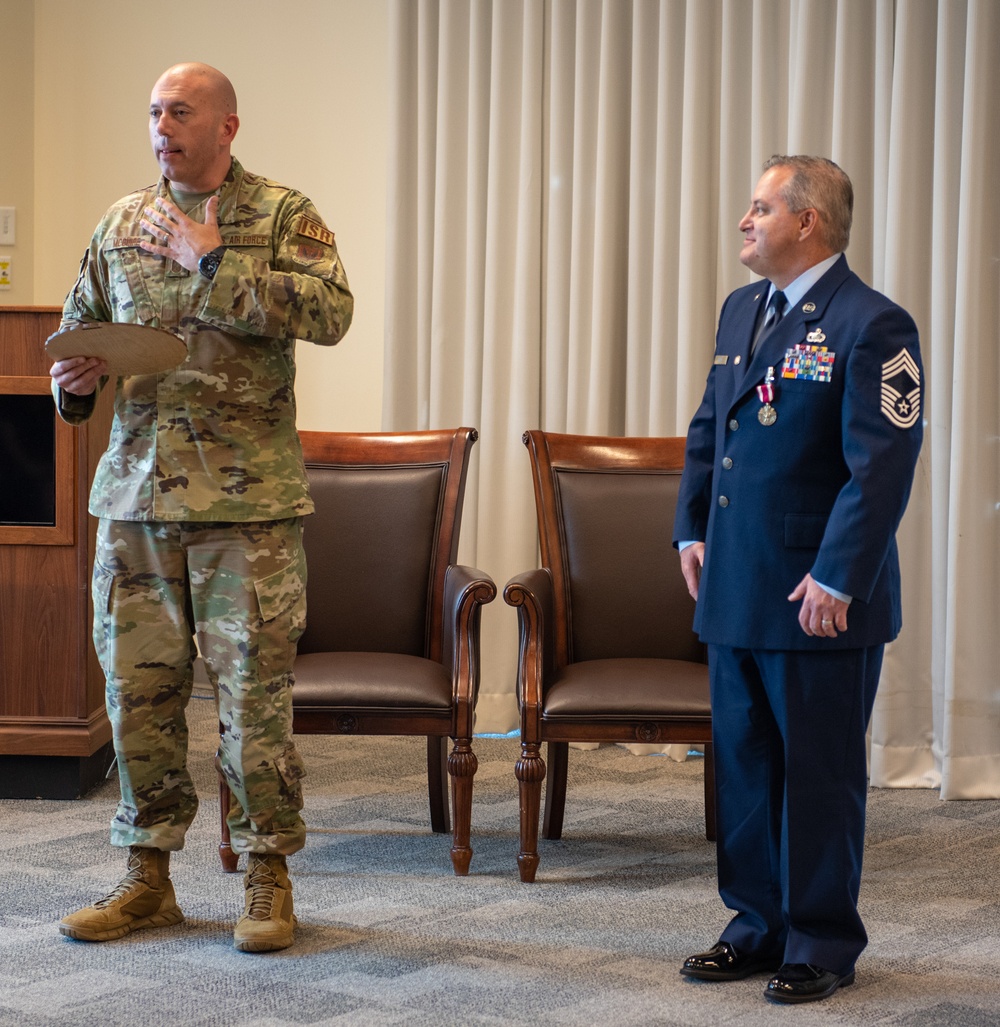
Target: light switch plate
{"points": [[7, 226]]}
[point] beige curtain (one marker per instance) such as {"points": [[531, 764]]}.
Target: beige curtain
{"points": [[566, 180]]}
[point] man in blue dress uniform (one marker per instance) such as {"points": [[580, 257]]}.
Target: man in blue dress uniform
{"points": [[798, 467]]}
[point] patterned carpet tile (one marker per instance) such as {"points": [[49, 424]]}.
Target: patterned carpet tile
{"points": [[388, 935]]}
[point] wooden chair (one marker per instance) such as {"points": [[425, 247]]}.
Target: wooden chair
{"points": [[391, 645], [607, 652]]}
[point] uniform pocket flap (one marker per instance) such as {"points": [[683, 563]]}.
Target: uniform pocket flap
{"points": [[278, 592]]}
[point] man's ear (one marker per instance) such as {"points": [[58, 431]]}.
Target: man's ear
{"points": [[230, 126], [808, 222]]}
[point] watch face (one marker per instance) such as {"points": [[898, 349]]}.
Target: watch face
{"points": [[209, 264]]}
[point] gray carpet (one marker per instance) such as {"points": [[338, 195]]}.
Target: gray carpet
{"points": [[389, 936]]}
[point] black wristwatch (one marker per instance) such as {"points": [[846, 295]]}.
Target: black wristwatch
{"points": [[209, 262]]}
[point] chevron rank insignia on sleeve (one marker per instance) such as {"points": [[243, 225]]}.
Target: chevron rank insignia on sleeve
{"points": [[901, 390]]}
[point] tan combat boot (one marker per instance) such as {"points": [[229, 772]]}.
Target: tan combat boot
{"points": [[144, 898], [268, 922]]}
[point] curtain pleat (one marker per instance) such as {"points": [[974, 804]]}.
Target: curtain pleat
{"points": [[566, 181], [967, 745]]}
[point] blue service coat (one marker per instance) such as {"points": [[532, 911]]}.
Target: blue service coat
{"points": [[823, 488]]}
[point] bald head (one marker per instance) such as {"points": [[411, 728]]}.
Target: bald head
{"points": [[193, 122], [212, 84]]}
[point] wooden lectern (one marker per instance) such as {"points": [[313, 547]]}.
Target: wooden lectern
{"points": [[55, 739]]}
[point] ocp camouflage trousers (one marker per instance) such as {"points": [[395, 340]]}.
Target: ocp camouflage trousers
{"points": [[240, 590]]}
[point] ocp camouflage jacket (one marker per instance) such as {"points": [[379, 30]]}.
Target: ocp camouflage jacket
{"points": [[214, 439]]}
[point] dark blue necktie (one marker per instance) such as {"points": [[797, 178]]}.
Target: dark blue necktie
{"points": [[775, 311]]}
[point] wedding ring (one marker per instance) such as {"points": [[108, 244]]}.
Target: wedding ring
{"points": [[827, 622]]}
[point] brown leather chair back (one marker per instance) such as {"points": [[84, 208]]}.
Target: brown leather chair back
{"points": [[376, 526], [605, 533], [384, 525], [626, 594]]}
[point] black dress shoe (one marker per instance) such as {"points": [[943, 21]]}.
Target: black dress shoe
{"points": [[724, 963], [803, 982]]}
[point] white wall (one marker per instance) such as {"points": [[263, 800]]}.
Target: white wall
{"points": [[312, 81]]}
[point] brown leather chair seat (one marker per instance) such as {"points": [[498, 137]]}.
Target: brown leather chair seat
{"points": [[371, 681], [624, 689]]}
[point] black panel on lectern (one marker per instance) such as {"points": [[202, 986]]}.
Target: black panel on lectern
{"points": [[27, 460]]}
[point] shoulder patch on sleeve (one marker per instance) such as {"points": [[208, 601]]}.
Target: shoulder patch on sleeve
{"points": [[901, 390], [312, 229]]}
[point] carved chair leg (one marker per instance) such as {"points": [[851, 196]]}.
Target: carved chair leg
{"points": [[230, 860], [555, 790], [709, 792], [530, 772], [462, 766], [437, 782]]}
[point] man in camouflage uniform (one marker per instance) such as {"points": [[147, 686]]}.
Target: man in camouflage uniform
{"points": [[200, 497]]}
